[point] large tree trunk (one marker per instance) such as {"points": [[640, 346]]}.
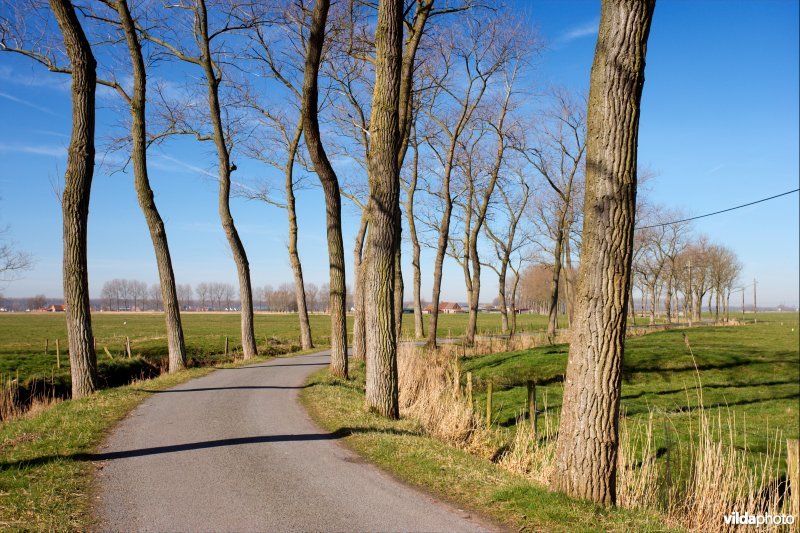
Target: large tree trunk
{"points": [[384, 195], [75, 201], [158, 234], [586, 451], [359, 348], [294, 257], [225, 168], [330, 186]]}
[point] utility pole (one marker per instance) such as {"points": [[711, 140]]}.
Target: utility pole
{"points": [[742, 305], [755, 305]]}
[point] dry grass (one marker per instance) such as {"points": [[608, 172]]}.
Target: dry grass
{"points": [[693, 485]]}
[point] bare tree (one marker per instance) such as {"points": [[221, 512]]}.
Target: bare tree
{"points": [[586, 450], [37, 302], [467, 56], [482, 175], [411, 186], [185, 294], [203, 294], [330, 186], [154, 295], [207, 58], [137, 101], [75, 200], [508, 241], [558, 156], [278, 51], [12, 260]]}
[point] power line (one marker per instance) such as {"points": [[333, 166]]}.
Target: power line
{"points": [[718, 212]]}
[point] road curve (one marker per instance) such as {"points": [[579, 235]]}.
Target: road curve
{"points": [[235, 451]]}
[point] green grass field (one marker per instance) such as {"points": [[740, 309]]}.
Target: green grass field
{"points": [[750, 378], [750, 374], [23, 335]]}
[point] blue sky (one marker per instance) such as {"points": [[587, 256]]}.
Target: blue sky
{"points": [[719, 125]]}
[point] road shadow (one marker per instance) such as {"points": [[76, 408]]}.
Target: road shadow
{"points": [[240, 387], [190, 446], [271, 366]]}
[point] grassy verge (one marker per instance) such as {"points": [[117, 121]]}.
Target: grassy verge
{"points": [[46, 470], [401, 448], [750, 373]]}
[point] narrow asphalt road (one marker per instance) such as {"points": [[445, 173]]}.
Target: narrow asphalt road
{"points": [[235, 451]]}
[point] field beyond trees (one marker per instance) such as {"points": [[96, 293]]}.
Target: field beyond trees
{"points": [[23, 335]]}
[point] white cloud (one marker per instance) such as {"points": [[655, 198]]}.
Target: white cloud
{"points": [[186, 166], [38, 149], [28, 104], [577, 32]]}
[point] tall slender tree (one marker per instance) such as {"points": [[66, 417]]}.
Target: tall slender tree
{"points": [[467, 59], [586, 450], [204, 58], [330, 186], [137, 102], [75, 200], [558, 156], [282, 63]]}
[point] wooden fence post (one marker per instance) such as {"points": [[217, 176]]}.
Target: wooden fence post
{"points": [[469, 388], [226, 346], [128, 346], [457, 378], [46, 346], [108, 353], [532, 414], [489, 404], [58, 355], [793, 467]]}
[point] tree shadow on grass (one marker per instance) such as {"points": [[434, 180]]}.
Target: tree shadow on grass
{"points": [[709, 386]]}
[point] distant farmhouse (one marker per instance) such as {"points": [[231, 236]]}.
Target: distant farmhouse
{"points": [[448, 308]]}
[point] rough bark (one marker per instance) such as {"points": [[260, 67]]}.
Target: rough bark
{"points": [[225, 169], [330, 186], [359, 332], [75, 200], [384, 194], [294, 257], [586, 451], [158, 234]]}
